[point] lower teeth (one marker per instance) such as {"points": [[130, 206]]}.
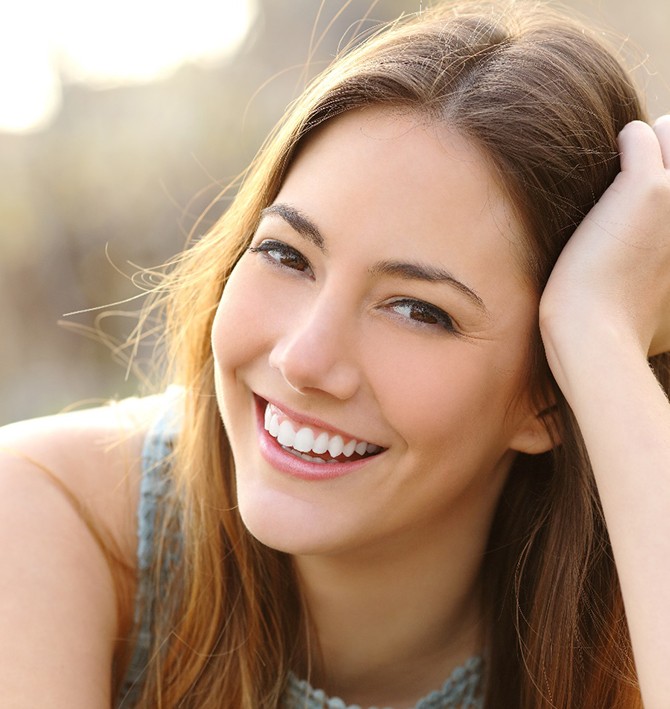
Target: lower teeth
{"points": [[308, 458]]}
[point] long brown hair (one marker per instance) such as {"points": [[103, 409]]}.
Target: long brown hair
{"points": [[544, 101]]}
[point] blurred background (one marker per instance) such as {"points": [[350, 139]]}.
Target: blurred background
{"points": [[120, 122]]}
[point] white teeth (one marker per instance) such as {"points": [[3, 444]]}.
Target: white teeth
{"points": [[286, 435], [349, 448], [304, 440], [335, 446], [321, 443], [307, 441]]}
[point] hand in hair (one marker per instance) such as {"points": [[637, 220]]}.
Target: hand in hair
{"points": [[605, 309], [614, 274]]}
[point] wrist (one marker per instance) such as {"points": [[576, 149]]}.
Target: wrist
{"points": [[587, 348]]}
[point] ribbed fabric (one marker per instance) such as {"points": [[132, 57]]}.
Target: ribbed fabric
{"points": [[154, 488], [462, 690]]}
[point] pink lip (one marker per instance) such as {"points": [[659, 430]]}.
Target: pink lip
{"points": [[290, 464]]}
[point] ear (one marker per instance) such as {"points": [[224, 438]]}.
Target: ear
{"points": [[537, 432]]}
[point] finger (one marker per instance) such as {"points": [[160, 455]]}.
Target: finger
{"points": [[640, 149], [662, 130]]}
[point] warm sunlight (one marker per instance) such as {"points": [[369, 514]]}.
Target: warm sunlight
{"points": [[104, 44]]}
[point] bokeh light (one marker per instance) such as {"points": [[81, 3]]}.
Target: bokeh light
{"points": [[44, 43]]}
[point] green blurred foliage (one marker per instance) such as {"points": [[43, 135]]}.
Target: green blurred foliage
{"points": [[122, 175]]}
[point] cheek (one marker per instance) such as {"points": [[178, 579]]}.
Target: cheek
{"points": [[240, 323], [446, 402]]}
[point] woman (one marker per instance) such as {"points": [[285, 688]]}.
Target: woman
{"points": [[409, 420]]}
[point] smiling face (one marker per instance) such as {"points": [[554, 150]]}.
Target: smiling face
{"points": [[378, 327]]}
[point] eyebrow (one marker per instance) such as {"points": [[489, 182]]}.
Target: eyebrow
{"points": [[299, 221], [423, 272], [409, 271]]}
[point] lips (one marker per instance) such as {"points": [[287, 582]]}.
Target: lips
{"points": [[308, 439], [312, 443]]}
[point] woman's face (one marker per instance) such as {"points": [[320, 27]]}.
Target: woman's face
{"points": [[379, 310]]}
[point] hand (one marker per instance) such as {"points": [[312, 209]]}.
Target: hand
{"points": [[613, 275]]}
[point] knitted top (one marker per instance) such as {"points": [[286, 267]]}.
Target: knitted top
{"points": [[462, 690]]}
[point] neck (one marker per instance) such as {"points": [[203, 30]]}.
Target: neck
{"points": [[396, 618]]}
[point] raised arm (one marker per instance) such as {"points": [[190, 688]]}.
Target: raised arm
{"points": [[606, 307]]}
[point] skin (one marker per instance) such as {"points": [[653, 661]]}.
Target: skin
{"points": [[59, 618], [332, 340]]}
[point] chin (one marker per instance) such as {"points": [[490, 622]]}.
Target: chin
{"points": [[289, 525]]}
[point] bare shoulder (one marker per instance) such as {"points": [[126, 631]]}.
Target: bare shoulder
{"points": [[95, 453], [59, 613]]}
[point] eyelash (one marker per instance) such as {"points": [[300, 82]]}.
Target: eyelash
{"points": [[285, 253], [429, 315]]}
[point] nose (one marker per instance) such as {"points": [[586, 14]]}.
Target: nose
{"points": [[316, 351]]}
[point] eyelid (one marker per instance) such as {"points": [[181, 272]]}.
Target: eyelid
{"points": [[268, 244]]}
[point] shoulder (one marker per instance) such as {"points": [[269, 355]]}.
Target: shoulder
{"points": [[59, 609], [94, 454]]}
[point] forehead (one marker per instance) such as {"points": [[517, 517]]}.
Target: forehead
{"points": [[400, 179]]}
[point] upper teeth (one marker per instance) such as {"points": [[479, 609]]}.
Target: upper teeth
{"points": [[307, 440]]}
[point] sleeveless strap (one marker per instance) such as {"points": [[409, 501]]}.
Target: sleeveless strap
{"points": [[155, 486]]}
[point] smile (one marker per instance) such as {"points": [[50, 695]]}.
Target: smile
{"points": [[315, 445]]}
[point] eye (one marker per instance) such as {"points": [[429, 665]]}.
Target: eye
{"points": [[423, 314], [282, 255]]}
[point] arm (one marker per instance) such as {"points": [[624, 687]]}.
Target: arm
{"points": [[58, 607], [606, 308]]}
